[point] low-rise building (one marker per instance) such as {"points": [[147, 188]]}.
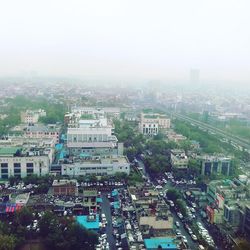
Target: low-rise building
{"points": [[90, 200], [161, 243], [43, 131], [179, 159], [173, 136], [65, 187], [213, 164], [151, 123], [153, 225], [32, 116], [21, 162], [106, 165]]}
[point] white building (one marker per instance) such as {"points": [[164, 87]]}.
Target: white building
{"points": [[97, 112], [97, 166], [21, 162], [151, 123], [93, 137]]}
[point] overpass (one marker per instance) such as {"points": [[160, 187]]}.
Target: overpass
{"points": [[230, 137]]}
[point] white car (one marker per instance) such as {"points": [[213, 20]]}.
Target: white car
{"points": [[180, 215], [184, 239], [177, 223], [178, 232], [194, 237]]}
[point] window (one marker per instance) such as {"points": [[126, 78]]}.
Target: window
{"points": [[30, 171], [4, 165], [30, 165], [4, 171], [29, 168], [4, 168]]}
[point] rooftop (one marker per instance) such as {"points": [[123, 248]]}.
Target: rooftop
{"points": [[89, 222], [165, 243], [154, 222], [9, 151], [64, 182]]}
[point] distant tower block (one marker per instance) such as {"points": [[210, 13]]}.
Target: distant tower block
{"points": [[194, 76]]}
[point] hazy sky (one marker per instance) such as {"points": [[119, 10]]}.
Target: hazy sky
{"points": [[137, 38]]}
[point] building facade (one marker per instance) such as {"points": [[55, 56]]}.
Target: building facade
{"points": [[14, 163], [151, 123], [102, 166], [65, 187], [215, 165], [179, 160], [32, 116]]}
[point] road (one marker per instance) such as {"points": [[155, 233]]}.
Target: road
{"points": [[237, 140], [191, 244], [109, 228]]}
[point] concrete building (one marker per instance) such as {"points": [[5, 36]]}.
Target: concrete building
{"points": [[43, 131], [93, 138], [65, 187], [211, 164], [97, 111], [157, 226], [179, 160], [21, 162], [89, 200], [32, 116], [233, 214], [173, 136], [151, 123], [96, 166]]}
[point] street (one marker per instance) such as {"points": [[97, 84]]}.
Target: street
{"points": [[109, 228]]}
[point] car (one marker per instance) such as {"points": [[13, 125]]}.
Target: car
{"points": [[199, 224], [180, 215], [178, 232], [194, 237], [171, 203], [193, 205], [192, 210], [177, 223], [184, 239]]}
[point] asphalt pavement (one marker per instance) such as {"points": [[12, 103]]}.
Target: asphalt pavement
{"points": [[109, 228]]}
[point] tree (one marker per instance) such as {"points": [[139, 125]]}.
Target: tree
{"points": [[7, 242], [47, 222], [31, 179], [181, 205], [173, 194], [13, 180], [25, 216], [79, 237], [120, 177], [93, 178], [194, 167], [65, 234]]}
